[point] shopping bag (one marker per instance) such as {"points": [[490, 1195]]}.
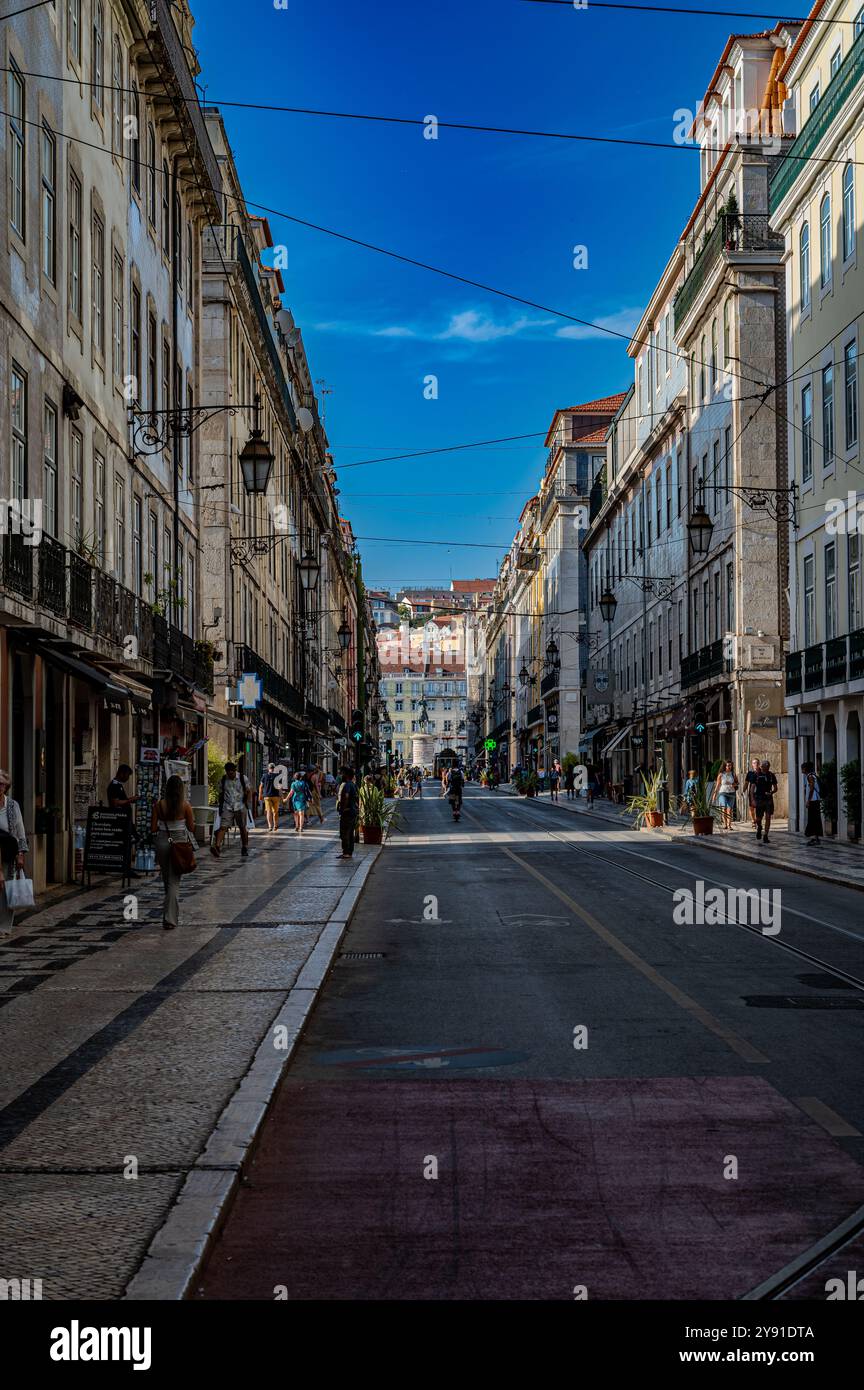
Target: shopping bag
{"points": [[19, 891], [217, 821], [250, 822]]}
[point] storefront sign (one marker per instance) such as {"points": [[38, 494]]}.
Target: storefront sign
{"points": [[149, 755], [763, 704], [107, 842]]}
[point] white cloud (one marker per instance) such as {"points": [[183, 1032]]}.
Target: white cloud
{"points": [[473, 326], [622, 321]]}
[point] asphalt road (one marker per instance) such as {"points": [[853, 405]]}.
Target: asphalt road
{"points": [[525, 1079]]}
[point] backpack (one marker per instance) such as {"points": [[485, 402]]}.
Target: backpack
{"points": [[456, 781]]}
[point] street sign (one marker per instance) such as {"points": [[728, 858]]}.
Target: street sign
{"points": [[490, 744]]}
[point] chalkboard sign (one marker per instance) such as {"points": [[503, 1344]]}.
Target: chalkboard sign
{"points": [[108, 842]]}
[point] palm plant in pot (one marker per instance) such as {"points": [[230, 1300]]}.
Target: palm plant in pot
{"points": [[377, 815], [645, 805], [702, 807], [532, 784]]}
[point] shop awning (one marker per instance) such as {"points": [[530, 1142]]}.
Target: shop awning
{"points": [[112, 689], [614, 742]]}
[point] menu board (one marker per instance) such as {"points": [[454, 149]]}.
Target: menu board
{"points": [[147, 780], [108, 842]]}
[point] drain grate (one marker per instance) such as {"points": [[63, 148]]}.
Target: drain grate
{"points": [[361, 955], [802, 1001]]}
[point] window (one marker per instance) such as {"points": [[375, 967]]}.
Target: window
{"points": [[809, 602], [854, 582], [77, 493], [17, 189], [117, 98], [730, 597], [659, 500], [152, 571], [135, 151], [19, 433], [825, 240], [725, 331], [850, 391], [135, 342], [152, 365], [848, 212], [830, 591], [190, 594], [117, 312], [189, 264], [716, 473], [137, 548], [706, 613], [119, 529], [99, 506], [151, 174], [97, 247], [727, 463], [859, 21], [668, 495], [827, 416], [678, 483], [814, 97], [166, 374], [49, 468], [166, 210], [836, 60], [806, 434], [718, 619], [713, 353], [804, 265], [98, 88], [74, 28], [49, 204], [75, 246], [702, 370]]}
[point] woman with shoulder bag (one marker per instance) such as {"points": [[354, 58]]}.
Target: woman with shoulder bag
{"points": [[173, 824], [13, 847]]}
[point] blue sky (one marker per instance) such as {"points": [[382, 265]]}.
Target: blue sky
{"points": [[501, 209]]}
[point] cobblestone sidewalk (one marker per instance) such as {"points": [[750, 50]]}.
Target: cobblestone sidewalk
{"points": [[122, 1043]]}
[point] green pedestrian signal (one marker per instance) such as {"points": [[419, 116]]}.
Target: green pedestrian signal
{"points": [[490, 744]]}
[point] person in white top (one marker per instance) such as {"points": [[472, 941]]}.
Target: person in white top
{"points": [[173, 821], [13, 847], [725, 787]]}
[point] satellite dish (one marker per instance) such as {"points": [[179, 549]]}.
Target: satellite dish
{"points": [[285, 320], [305, 419]]}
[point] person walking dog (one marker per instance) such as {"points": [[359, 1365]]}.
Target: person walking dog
{"points": [[173, 824], [13, 847], [233, 809]]}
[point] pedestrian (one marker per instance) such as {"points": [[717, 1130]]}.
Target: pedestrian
{"points": [[268, 793], [299, 794], [316, 783], [570, 781], [233, 807], [813, 805], [750, 787], [119, 800], [347, 804], [554, 780], [763, 799], [173, 824], [691, 787], [725, 787], [13, 847]]}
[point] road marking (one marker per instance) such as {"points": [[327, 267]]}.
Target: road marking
{"points": [[827, 1118], [740, 1046]]}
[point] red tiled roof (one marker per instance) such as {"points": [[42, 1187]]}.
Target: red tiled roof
{"points": [[471, 586], [604, 405], [596, 437]]}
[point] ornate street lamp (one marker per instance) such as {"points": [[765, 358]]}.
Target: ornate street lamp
{"points": [[553, 659], [608, 605], [310, 569], [344, 634], [700, 527], [524, 675], [256, 458]]}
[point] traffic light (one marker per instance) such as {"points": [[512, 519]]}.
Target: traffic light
{"points": [[356, 731], [700, 717]]}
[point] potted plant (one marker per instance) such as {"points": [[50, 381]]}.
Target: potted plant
{"points": [[732, 222], [702, 807], [828, 792], [645, 805], [532, 784], [850, 779], [377, 817]]}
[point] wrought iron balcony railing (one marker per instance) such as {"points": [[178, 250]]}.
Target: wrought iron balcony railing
{"points": [[703, 664], [730, 233]]}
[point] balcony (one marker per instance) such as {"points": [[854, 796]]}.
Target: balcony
{"points": [[535, 715], [814, 666], [856, 654], [790, 165], [18, 566], [704, 664], [793, 673], [835, 660], [741, 232], [549, 683]]}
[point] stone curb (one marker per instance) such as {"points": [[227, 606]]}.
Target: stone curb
{"points": [[725, 847], [179, 1248]]}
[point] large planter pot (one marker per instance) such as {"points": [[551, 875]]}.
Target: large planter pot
{"points": [[530, 792], [654, 819], [372, 834], [703, 825]]}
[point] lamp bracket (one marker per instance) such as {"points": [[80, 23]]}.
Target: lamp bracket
{"points": [[153, 430]]}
